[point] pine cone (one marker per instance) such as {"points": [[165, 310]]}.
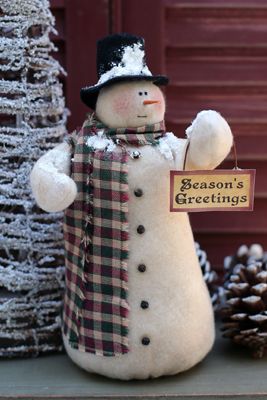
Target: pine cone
{"points": [[209, 275], [245, 316], [243, 256]]}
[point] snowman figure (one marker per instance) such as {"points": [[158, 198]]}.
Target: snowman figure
{"points": [[136, 305]]}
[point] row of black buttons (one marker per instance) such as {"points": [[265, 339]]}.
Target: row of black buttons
{"points": [[140, 229], [145, 341], [138, 192], [142, 268], [144, 304]]}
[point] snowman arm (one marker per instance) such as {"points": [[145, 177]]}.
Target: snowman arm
{"points": [[210, 141], [51, 185]]}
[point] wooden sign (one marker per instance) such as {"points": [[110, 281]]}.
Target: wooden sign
{"points": [[218, 190]]}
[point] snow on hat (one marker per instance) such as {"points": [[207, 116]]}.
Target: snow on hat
{"points": [[120, 57]]}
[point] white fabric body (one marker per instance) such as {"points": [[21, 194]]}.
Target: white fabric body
{"points": [[179, 320]]}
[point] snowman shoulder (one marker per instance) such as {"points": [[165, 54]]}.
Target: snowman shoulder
{"points": [[173, 149]]}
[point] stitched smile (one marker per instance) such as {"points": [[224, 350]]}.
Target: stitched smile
{"points": [[141, 116]]}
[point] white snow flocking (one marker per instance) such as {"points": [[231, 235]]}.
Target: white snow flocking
{"points": [[132, 63]]}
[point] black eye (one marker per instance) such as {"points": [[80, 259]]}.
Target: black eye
{"points": [[140, 93], [145, 93]]}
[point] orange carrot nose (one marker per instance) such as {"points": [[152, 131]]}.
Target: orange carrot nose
{"points": [[145, 102]]}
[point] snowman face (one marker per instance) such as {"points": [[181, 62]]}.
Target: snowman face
{"points": [[130, 104]]}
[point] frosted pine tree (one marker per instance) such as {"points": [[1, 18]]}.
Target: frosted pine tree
{"points": [[32, 116]]}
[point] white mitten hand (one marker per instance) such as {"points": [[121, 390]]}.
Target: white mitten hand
{"points": [[210, 139], [52, 188]]}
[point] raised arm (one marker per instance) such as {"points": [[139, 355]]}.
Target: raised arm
{"points": [[210, 141]]}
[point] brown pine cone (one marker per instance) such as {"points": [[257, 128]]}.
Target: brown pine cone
{"points": [[245, 316], [243, 256]]}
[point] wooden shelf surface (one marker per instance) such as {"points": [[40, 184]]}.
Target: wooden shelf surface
{"points": [[227, 372]]}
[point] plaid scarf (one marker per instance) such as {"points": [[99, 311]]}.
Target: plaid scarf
{"points": [[95, 315]]}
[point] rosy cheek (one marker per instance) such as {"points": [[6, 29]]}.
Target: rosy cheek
{"points": [[121, 105], [160, 106]]}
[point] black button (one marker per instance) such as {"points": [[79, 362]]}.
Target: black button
{"points": [[136, 154], [138, 192], [145, 341], [144, 304], [140, 229], [141, 267]]}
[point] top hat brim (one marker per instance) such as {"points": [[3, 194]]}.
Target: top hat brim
{"points": [[89, 94]]}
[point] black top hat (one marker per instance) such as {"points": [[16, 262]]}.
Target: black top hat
{"points": [[120, 57]]}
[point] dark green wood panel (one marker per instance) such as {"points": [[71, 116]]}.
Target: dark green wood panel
{"points": [[226, 373]]}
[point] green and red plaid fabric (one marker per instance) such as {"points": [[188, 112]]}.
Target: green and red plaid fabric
{"points": [[96, 237]]}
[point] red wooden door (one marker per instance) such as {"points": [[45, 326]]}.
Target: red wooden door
{"points": [[216, 57], [80, 24], [215, 53]]}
